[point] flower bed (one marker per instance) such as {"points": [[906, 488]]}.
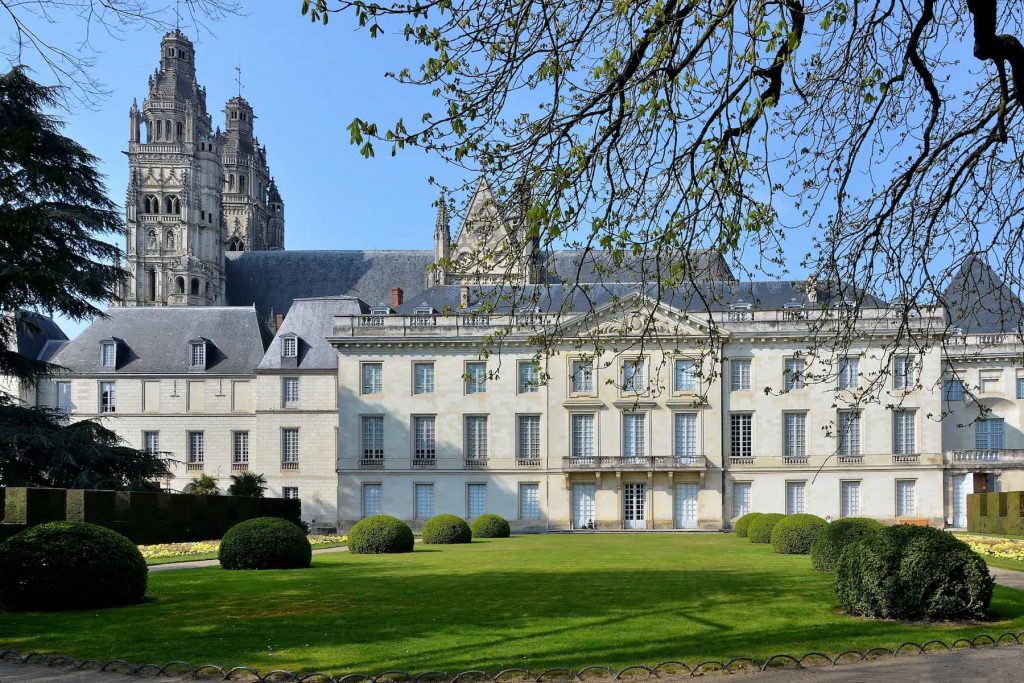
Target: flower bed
{"points": [[208, 549], [994, 546]]}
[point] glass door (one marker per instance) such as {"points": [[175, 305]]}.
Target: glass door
{"points": [[686, 506], [635, 499], [583, 507]]}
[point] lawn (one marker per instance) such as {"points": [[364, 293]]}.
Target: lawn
{"points": [[528, 601]]}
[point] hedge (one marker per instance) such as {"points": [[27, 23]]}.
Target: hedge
{"points": [[70, 565], [909, 572], [760, 530], [794, 534], [743, 523], [491, 526], [265, 543], [446, 529], [380, 534], [996, 513], [143, 516], [829, 544]]}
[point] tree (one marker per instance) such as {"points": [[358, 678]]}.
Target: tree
{"points": [[203, 485], [247, 484], [654, 129]]}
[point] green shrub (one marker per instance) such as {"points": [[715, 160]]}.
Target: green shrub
{"points": [[760, 530], [446, 529], [380, 534], [909, 572], [491, 526], [794, 534], [743, 523], [265, 543], [829, 544], [70, 565]]}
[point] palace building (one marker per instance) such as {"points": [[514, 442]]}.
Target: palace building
{"points": [[367, 382]]}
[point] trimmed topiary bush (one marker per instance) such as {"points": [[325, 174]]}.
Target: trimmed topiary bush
{"points": [[380, 534], [905, 572], [265, 543], [830, 543], [743, 523], [760, 530], [794, 534], [491, 526], [70, 565], [446, 529]]}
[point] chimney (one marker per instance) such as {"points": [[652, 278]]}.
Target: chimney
{"points": [[464, 296], [396, 297], [278, 321]]}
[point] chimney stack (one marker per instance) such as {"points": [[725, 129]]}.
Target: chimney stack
{"points": [[464, 296], [278, 321], [397, 297]]}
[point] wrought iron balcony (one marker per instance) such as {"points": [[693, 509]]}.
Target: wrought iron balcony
{"points": [[644, 462]]}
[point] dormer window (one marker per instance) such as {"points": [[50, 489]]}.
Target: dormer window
{"points": [[793, 303], [197, 354], [741, 305], [108, 354], [424, 310], [380, 309], [289, 346]]}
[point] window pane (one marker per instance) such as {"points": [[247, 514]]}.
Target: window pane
{"points": [[903, 437], [849, 373], [633, 376], [372, 378], [424, 436], [686, 435], [906, 497], [634, 434], [793, 376], [529, 437], [953, 390], [529, 378], [373, 436], [196, 447], [424, 501], [240, 448], [476, 437], [795, 503], [64, 397], [289, 445], [476, 382], [990, 433], [529, 501], [850, 498], [582, 376], [151, 442], [685, 376], [290, 492], [741, 436], [108, 399], [290, 389], [372, 500], [582, 436], [740, 375], [848, 427], [291, 347], [740, 498], [476, 495], [424, 378], [795, 435]]}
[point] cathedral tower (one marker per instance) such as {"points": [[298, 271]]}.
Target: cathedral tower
{"points": [[175, 251]]}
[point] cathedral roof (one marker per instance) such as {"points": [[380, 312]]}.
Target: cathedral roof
{"points": [[271, 280], [311, 321]]}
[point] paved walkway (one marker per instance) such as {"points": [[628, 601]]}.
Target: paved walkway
{"points": [[1008, 577], [199, 564]]}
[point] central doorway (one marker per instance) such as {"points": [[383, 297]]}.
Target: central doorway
{"points": [[635, 500]]}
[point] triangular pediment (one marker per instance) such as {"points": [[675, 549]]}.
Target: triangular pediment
{"points": [[634, 316], [484, 228]]}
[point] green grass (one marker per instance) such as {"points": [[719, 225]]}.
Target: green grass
{"points": [[1003, 563], [528, 601], [174, 559]]}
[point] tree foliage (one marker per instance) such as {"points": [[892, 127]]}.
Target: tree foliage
{"points": [[203, 485], [248, 484]]}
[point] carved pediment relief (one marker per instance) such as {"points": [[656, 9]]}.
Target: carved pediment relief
{"points": [[634, 316]]}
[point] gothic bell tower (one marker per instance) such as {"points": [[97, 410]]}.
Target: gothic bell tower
{"points": [[175, 250]]}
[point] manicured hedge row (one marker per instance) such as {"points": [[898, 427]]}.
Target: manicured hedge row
{"points": [[996, 513], [143, 516]]}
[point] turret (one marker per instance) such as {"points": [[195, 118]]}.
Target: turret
{"points": [[442, 240]]}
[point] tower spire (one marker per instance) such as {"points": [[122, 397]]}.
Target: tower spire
{"points": [[442, 222]]}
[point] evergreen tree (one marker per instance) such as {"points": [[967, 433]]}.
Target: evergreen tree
{"points": [[247, 484], [203, 485]]}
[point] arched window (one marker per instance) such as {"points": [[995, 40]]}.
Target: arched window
{"points": [[236, 244], [169, 243], [159, 129], [179, 285], [169, 204], [167, 129], [152, 284], [231, 182], [150, 204], [241, 183], [180, 128], [194, 287], [177, 206]]}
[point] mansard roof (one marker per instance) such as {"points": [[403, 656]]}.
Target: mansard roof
{"points": [[596, 265], [271, 280], [154, 340], [312, 321], [39, 337], [978, 302]]}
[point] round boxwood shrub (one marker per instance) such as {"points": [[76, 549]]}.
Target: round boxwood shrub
{"points": [[760, 530], [829, 543], [380, 534], [742, 524], [70, 565], [491, 526], [794, 534], [265, 543], [446, 529], [904, 572]]}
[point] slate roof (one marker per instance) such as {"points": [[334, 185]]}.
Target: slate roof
{"points": [[39, 337], [312, 321], [271, 280], [597, 265], [154, 340], [978, 302]]}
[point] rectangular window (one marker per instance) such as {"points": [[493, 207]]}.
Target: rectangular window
{"points": [[795, 499], [1020, 387], [529, 501], [108, 354], [290, 492], [476, 437], [634, 376], [476, 378], [848, 428], [373, 378], [793, 375], [151, 396], [903, 432], [990, 381], [740, 375], [423, 378], [529, 377], [239, 448], [582, 376], [424, 437], [849, 373], [151, 442], [906, 497], [373, 503], [794, 435], [424, 501], [685, 435], [686, 375], [990, 433], [289, 392], [64, 397], [634, 435], [289, 347], [197, 356], [290, 445], [372, 433], [582, 435], [196, 396], [108, 397], [849, 498], [740, 498], [528, 441], [196, 447], [476, 500], [741, 443], [953, 390], [903, 373]]}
